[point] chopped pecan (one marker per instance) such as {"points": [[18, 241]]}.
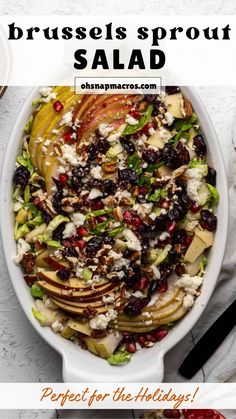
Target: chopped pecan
{"points": [[110, 200], [98, 334], [28, 262], [89, 312], [188, 110], [135, 191], [109, 167], [147, 271], [125, 202], [117, 213]]}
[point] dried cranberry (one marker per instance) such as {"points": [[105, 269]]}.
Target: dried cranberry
{"points": [[173, 256], [163, 287], [69, 252], [135, 306], [81, 243], [143, 190], [150, 98], [183, 154], [159, 334], [128, 146], [108, 239], [151, 156], [211, 176], [180, 269], [160, 223], [128, 175], [171, 90], [145, 233], [169, 156], [200, 146], [64, 274], [128, 217], [56, 202], [142, 284], [175, 214], [135, 114], [181, 184], [58, 106], [63, 178], [58, 232], [184, 200], [179, 236], [93, 245], [136, 222], [103, 146], [158, 106], [97, 204], [171, 227], [153, 287], [208, 220], [109, 187], [77, 174], [165, 270], [171, 413], [21, 176], [92, 151]]}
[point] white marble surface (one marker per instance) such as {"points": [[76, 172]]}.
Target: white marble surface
{"points": [[25, 357]]}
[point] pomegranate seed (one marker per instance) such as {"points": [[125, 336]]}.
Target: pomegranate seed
{"points": [[150, 338], [160, 334], [101, 218], [171, 227], [135, 114], [57, 106], [82, 231], [137, 135], [97, 205], [165, 204], [195, 207], [128, 217], [141, 340], [131, 348], [137, 222], [172, 413], [147, 127], [63, 178], [68, 137], [81, 244], [142, 283], [188, 241], [163, 287], [36, 201]]}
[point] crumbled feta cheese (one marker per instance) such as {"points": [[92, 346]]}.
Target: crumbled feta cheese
{"points": [[164, 235], [153, 300], [133, 242], [164, 133], [70, 156], [156, 272], [47, 163], [143, 208], [69, 231], [67, 118], [44, 149], [194, 181], [148, 322], [47, 143], [95, 193], [78, 219], [153, 216], [189, 283], [45, 91], [188, 301], [169, 118], [131, 120], [39, 140], [96, 172], [50, 304], [122, 194], [22, 248], [100, 322], [151, 131], [115, 255], [138, 294], [147, 314], [57, 326], [120, 263], [163, 211], [108, 299], [55, 131], [104, 129]]}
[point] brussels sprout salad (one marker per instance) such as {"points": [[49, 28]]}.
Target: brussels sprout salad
{"points": [[114, 202]]}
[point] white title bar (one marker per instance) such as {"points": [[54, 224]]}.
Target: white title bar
{"points": [[117, 396], [184, 50]]}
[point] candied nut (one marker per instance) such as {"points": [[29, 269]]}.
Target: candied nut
{"points": [[125, 202], [147, 271], [89, 312], [68, 208], [188, 110], [110, 200], [70, 200], [117, 213], [112, 276], [98, 334], [28, 262], [135, 191], [92, 222], [148, 344], [109, 167], [135, 256]]}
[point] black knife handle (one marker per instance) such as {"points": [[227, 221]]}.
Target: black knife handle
{"points": [[209, 342]]}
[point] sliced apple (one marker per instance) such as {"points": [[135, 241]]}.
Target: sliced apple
{"points": [[206, 236], [195, 249], [175, 104], [156, 139], [193, 268], [80, 311], [80, 327], [55, 264], [90, 345], [164, 171], [106, 346], [40, 262], [95, 303], [72, 283]]}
